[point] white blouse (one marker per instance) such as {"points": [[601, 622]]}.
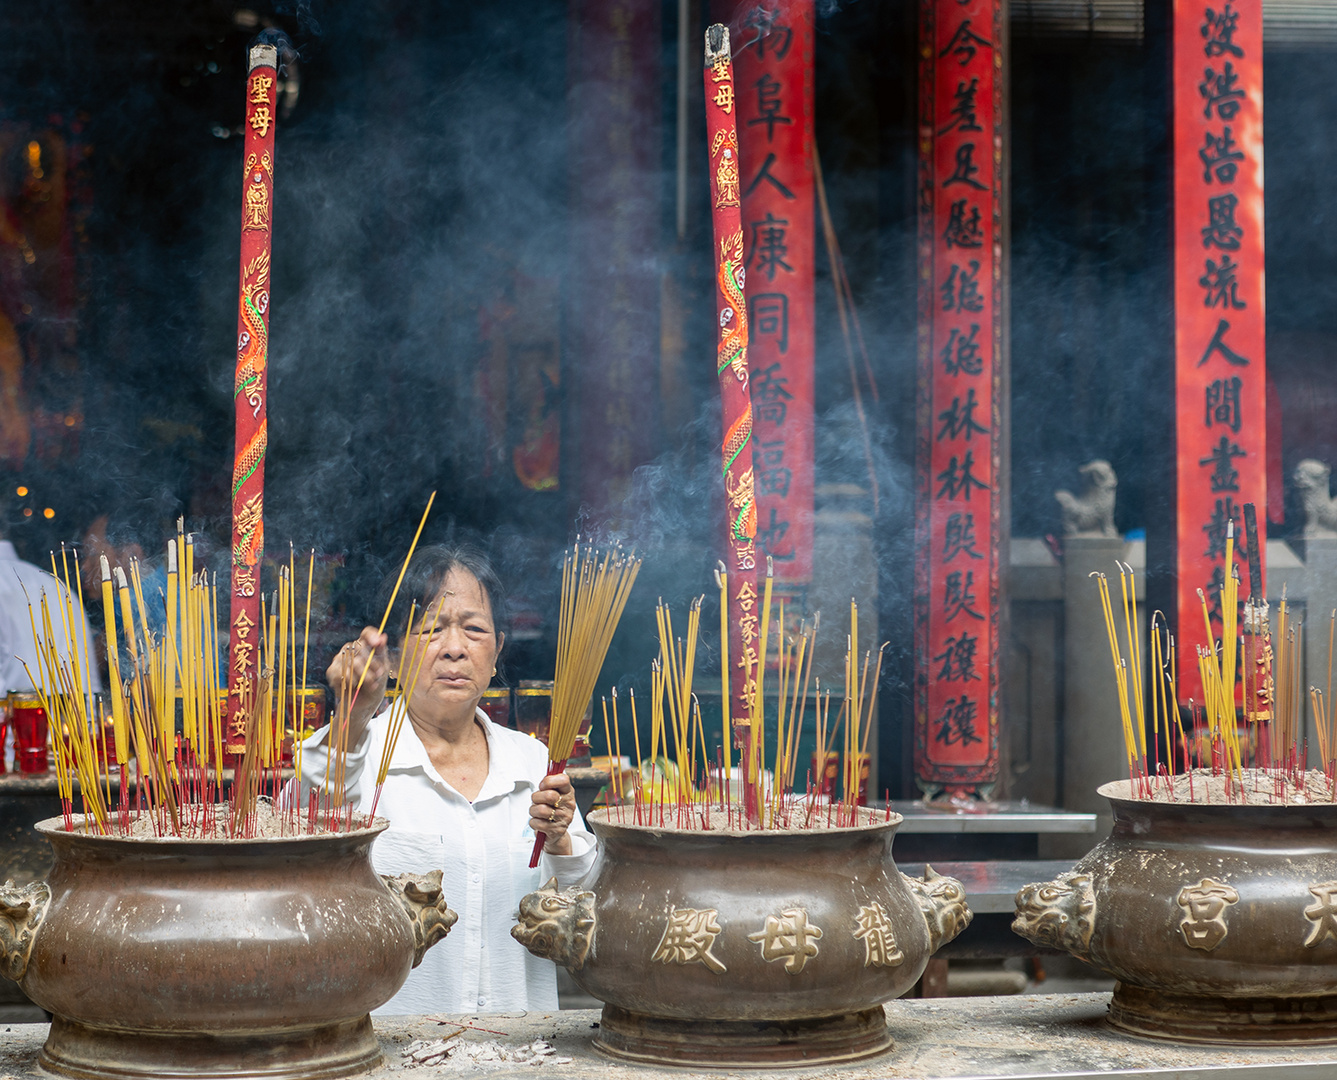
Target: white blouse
{"points": [[483, 849]]}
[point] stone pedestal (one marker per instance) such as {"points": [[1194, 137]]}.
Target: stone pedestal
{"points": [[1320, 598], [1092, 731]]}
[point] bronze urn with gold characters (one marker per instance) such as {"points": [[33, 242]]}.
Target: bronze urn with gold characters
{"points": [[727, 947], [164, 956], [1219, 920]]}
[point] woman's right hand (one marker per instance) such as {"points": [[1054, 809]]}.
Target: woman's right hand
{"points": [[346, 669]]}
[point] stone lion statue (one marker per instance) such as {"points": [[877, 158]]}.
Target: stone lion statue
{"points": [[1092, 512], [1311, 481]]}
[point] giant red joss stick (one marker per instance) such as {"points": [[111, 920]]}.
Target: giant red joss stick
{"points": [[248, 470], [731, 362]]}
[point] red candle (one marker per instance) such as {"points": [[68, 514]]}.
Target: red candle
{"points": [[30, 733], [731, 362], [248, 472]]}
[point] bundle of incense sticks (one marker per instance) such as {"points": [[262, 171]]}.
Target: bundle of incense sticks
{"points": [[595, 587], [167, 712], [164, 698], [682, 787], [1257, 751]]}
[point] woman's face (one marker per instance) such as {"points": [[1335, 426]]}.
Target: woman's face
{"points": [[456, 647]]}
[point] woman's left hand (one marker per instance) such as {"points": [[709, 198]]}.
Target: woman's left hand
{"points": [[551, 812]]}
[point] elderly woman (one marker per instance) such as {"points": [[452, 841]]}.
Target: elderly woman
{"points": [[462, 795]]}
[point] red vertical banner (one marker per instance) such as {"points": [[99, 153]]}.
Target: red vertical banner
{"points": [[249, 391], [613, 295], [959, 393], [744, 607], [1220, 370], [773, 73]]}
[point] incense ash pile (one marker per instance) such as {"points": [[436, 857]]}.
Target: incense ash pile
{"points": [[199, 822], [1249, 787]]}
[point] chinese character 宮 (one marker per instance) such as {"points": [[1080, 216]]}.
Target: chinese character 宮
{"points": [[788, 937], [688, 937], [872, 926], [1204, 905]]}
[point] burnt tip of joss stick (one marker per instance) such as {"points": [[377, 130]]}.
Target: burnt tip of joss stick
{"points": [[283, 51], [717, 43]]}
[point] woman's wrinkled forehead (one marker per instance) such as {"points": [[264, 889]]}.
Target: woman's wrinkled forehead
{"points": [[461, 590]]}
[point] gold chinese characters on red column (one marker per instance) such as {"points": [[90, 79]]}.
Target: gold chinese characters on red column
{"points": [[250, 391], [1220, 376], [957, 506]]}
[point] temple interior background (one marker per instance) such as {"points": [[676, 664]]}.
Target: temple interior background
{"points": [[427, 295]]}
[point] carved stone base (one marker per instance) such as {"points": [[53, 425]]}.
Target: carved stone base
{"points": [[743, 1044], [1242, 1021], [320, 1053]]}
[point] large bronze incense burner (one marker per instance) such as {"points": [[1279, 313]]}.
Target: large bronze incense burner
{"points": [[170, 957], [1219, 921], [731, 948]]}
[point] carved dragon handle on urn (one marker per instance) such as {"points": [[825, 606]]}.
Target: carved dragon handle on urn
{"points": [[557, 924], [421, 897], [942, 900], [22, 909], [1058, 914]]}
